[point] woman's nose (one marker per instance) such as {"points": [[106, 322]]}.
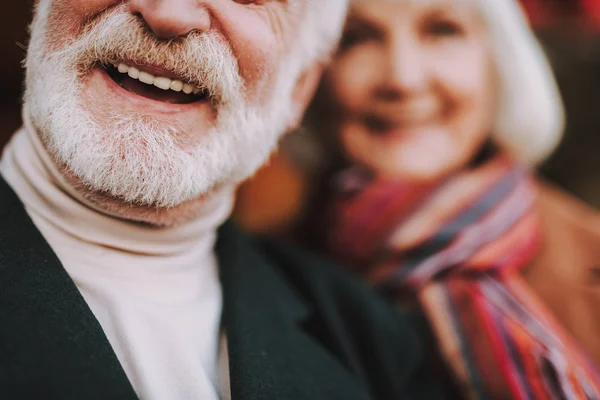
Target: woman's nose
{"points": [[406, 70], [172, 18]]}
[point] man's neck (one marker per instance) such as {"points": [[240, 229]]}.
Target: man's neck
{"points": [[46, 191]]}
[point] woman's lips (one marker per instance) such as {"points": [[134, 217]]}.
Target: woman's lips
{"points": [[379, 125]]}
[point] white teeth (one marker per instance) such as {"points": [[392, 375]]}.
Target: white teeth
{"points": [[123, 68], [187, 88], [146, 78], [160, 82], [177, 86], [133, 73]]}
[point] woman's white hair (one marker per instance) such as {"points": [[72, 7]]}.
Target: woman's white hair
{"points": [[320, 32], [327, 19], [530, 117]]}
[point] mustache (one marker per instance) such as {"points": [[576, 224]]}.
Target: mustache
{"points": [[202, 59]]}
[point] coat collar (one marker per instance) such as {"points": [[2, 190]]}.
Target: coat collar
{"points": [[54, 335], [271, 355]]}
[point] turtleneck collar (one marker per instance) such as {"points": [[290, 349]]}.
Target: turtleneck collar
{"points": [[30, 171]]}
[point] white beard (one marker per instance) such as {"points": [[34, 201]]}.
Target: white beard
{"points": [[135, 158]]}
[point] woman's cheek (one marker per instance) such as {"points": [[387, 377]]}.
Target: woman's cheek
{"points": [[466, 74], [353, 82]]}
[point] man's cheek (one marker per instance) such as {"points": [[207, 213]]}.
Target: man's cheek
{"points": [[255, 46], [260, 68], [67, 18], [88, 7]]}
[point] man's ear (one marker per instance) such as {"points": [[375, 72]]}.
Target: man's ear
{"points": [[303, 94]]}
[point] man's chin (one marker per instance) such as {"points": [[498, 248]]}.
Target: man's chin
{"points": [[137, 210]]}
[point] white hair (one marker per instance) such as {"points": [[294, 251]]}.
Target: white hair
{"points": [[530, 117], [322, 30], [318, 36]]}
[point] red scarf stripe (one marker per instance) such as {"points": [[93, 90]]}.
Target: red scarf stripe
{"points": [[530, 246], [525, 347], [379, 217], [462, 315], [487, 322], [459, 202], [533, 371], [523, 231], [472, 238]]}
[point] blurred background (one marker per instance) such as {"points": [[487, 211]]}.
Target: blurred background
{"points": [[568, 29]]}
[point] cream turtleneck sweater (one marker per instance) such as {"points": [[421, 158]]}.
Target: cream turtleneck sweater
{"points": [[155, 291]]}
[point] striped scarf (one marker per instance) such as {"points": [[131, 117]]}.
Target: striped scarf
{"points": [[454, 249]]}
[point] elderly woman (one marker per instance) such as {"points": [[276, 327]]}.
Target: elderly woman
{"points": [[436, 113]]}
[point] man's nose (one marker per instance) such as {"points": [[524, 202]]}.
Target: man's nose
{"points": [[172, 18]]}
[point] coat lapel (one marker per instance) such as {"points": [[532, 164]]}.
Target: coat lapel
{"points": [[51, 345], [271, 356]]}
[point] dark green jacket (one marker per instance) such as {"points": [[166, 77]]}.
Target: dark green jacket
{"points": [[296, 327]]}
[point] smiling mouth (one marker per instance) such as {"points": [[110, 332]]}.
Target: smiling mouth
{"points": [[381, 126], [159, 88]]}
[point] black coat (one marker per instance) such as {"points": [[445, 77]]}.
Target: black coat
{"points": [[297, 328]]}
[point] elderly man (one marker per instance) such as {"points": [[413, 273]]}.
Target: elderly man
{"points": [[116, 282]]}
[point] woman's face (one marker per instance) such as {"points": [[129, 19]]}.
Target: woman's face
{"points": [[414, 84]]}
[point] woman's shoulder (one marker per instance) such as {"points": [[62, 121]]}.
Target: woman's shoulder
{"points": [[578, 220], [570, 254], [566, 274]]}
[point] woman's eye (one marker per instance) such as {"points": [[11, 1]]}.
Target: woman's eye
{"points": [[356, 37], [257, 2], [443, 28], [351, 39]]}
